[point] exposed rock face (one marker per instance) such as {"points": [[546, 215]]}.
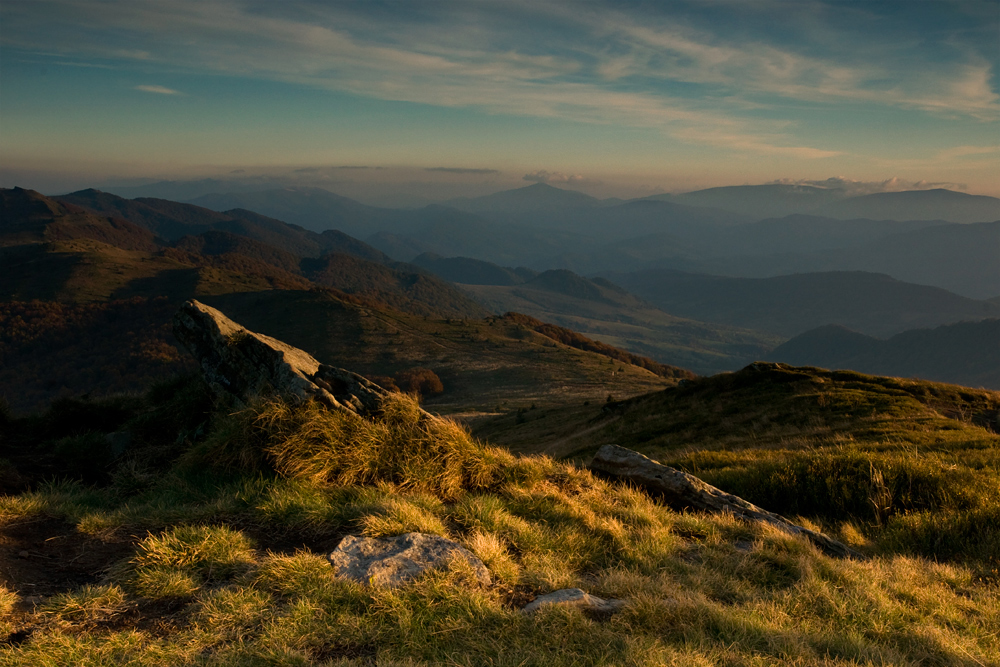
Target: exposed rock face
{"points": [[241, 364], [683, 491], [576, 598], [393, 561]]}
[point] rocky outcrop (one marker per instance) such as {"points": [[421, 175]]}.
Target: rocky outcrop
{"points": [[240, 364], [393, 561], [683, 491], [574, 597]]}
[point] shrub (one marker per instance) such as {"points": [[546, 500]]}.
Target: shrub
{"points": [[422, 381]]}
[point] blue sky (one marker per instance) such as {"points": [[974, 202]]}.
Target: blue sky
{"points": [[617, 98]]}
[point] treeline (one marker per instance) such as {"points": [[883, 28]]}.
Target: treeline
{"points": [[581, 342]]}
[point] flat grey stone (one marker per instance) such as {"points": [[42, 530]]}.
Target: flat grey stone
{"points": [[574, 597], [393, 561]]}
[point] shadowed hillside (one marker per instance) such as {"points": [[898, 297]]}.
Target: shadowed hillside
{"points": [[490, 365], [59, 250], [604, 311], [966, 353]]}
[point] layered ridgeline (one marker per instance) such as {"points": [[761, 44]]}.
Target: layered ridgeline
{"points": [[966, 353], [190, 528], [731, 321], [871, 303], [87, 296], [605, 311], [741, 231]]}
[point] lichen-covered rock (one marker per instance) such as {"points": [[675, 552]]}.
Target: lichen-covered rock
{"points": [[241, 364], [393, 561], [574, 597]]}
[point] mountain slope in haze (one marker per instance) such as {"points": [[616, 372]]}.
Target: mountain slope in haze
{"points": [[470, 271], [966, 353], [759, 201], [314, 209], [528, 199], [874, 304], [606, 312], [961, 258], [937, 204], [805, 234]]}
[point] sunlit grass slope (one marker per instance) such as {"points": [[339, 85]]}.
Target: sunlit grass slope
{"points": [[908, 462], [230, 516]]}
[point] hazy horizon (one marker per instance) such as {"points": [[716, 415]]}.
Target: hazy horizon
{"points": [[440, 100]]}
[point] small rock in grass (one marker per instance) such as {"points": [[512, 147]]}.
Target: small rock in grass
{"points": [[576, 598], [24, 554], [393, 561]]}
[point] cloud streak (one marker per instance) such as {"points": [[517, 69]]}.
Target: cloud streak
{"points": [[463, 170], [854, 188], [543, 176], [158, 90], [730, 91]]}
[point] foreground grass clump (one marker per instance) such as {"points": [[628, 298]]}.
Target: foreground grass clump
{"points": [[403, 446], [231, 567]]}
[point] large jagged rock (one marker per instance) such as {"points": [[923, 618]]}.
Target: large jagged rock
{"points": [[683, 491], [393, 561], [242, 364]]}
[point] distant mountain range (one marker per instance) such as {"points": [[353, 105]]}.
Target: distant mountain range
{"points": [[759, 201], [714, 231], [937, 204], [962, 258], [874, 304], [965, 353]]}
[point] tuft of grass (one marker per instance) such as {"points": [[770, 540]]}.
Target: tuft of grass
{"points": [[176, 562], [410, 513], [89, 603], [402, 446]]}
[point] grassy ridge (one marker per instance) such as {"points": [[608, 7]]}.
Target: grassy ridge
{"points": [[913, 465], [212, 578]]}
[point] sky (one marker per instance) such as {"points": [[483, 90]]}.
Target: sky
{"points": [[441, 99]]}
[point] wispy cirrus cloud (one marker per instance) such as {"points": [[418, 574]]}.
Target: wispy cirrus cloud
{"points": [[698, 78], [463, 170], [853, 188], [158, 90], [543, 176]]}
